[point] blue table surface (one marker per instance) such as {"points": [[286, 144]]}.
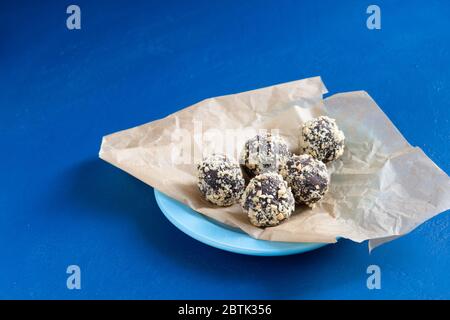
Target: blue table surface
{"points": [[133, 62]]}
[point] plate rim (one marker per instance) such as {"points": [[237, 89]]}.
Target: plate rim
{"points": [[305, 246]]}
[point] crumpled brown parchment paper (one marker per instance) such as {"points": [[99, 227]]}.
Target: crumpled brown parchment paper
{"points": [[381, 188]]}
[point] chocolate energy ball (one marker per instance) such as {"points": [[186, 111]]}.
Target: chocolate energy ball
{"points": [[267, 200], [307, 177], [220, 180], [321, 138], [263, 153]]}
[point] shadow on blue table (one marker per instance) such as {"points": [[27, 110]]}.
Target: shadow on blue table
{"points": [[107, 191]]}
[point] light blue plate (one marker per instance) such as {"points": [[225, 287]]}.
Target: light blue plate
{"points": [[223, 237]]}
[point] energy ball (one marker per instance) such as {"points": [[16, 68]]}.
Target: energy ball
{"points": [[267, 200], [263, 153], [220, 180], [307, 177], [322, 139]]}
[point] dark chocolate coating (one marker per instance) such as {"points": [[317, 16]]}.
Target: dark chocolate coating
{"points": [[263, 153], [220, 180], [322, 139], [307, 177], [267, 200]]}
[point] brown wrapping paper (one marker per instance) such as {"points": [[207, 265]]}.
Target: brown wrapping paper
{"points": [[381, 188]]}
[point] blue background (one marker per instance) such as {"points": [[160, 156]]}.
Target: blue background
{"points": [[133, 62]]}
